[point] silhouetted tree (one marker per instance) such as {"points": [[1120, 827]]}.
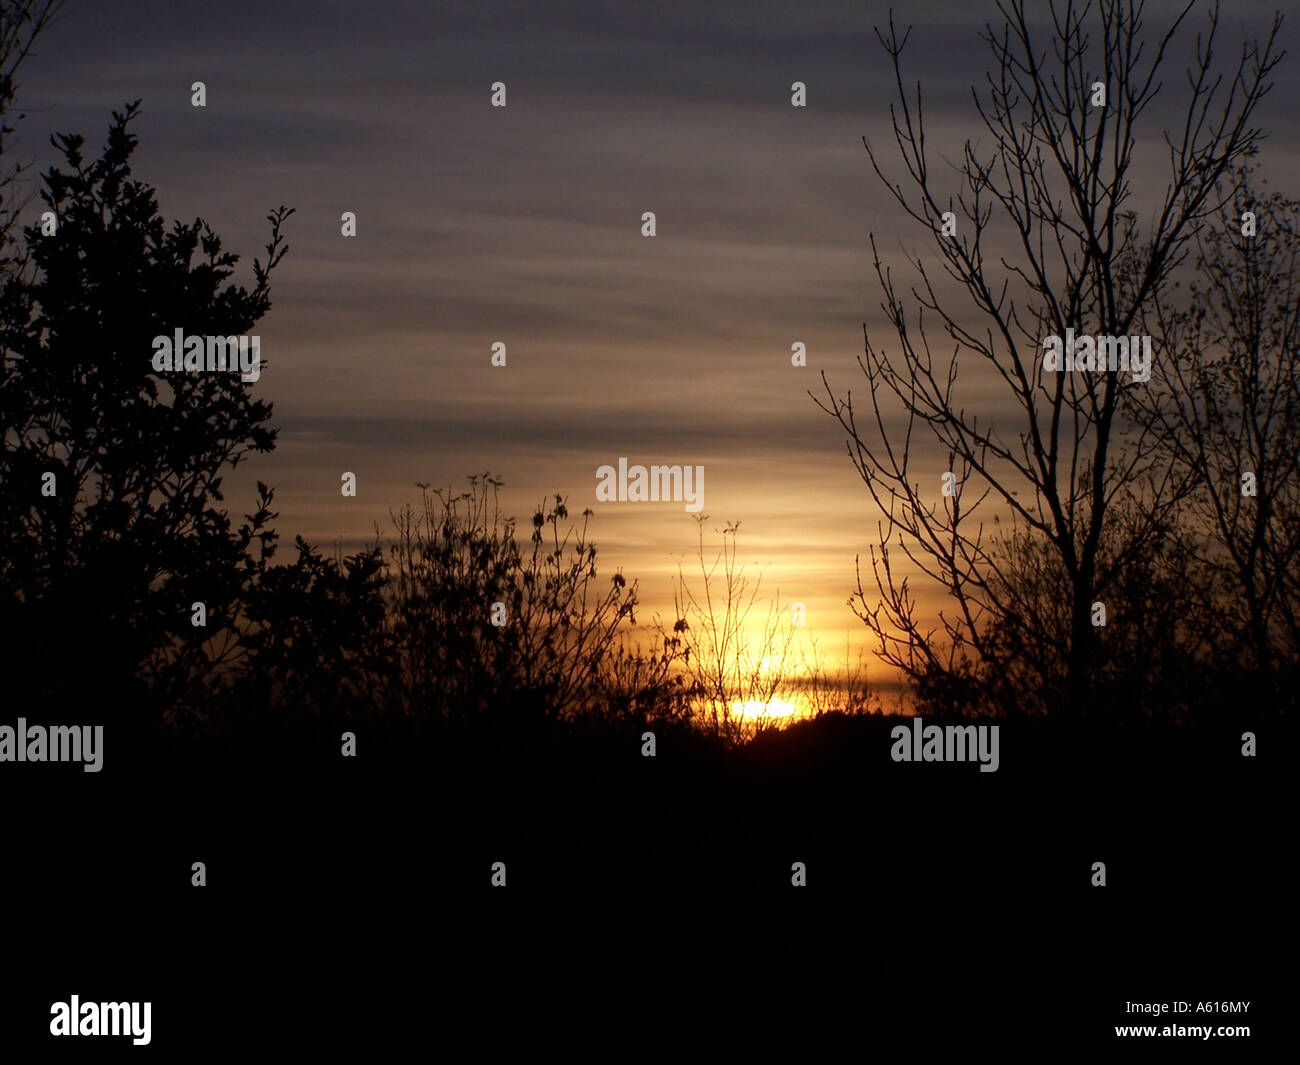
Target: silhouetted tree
{"points": [[1058, 171], [1228, 408], [102, 573], [21, 22]]}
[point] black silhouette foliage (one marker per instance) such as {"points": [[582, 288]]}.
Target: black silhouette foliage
{"points": [[133, 534]]}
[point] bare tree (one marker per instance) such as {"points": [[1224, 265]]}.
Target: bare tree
{"points": [[21, 22], [1229, 410], [1048, 240]]}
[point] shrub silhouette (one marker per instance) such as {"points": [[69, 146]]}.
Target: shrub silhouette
{"points": [[559, 650], [402, 631], [315, 636]]}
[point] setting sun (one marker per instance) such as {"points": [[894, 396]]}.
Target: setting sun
{"points": [[771, 708]]}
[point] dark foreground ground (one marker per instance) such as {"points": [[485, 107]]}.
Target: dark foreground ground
{"points": [[648, 906]]}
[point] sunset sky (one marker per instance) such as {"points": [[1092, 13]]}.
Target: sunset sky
{"points": [[523, 225]]}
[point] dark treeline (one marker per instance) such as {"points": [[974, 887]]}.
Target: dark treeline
{"points": [[118, 540], [1172, 505]]}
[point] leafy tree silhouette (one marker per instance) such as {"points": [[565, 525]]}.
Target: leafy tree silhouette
{"points": [[97, 580]]}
